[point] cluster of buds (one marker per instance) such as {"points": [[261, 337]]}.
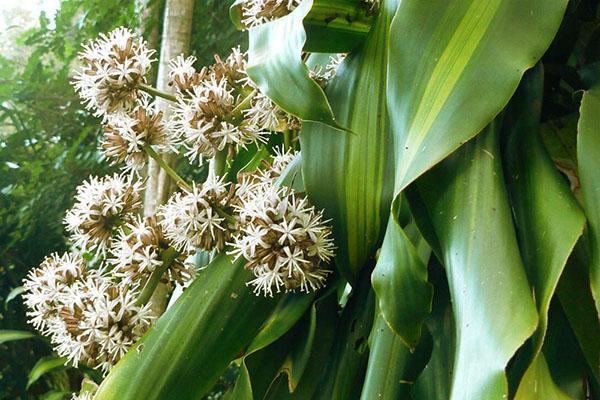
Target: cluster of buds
{"points": [[87, 318]]}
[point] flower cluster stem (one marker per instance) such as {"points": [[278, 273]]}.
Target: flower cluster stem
{"points": [[170, 171], [168, 256], [157, 93]]}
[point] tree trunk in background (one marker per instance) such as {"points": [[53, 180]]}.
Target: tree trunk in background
{"points": [[176, 34], [177, 29]]}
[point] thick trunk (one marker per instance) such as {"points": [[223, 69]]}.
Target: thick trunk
{"points": [[177, 28]]}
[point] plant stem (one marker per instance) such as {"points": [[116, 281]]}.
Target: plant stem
{"points": [[238, 111], [168, 256], [217, 163], [170, 171], [157, 93]]}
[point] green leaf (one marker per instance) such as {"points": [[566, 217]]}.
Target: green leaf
{"points": [[467, 205], [332, 26], [194, 341], [275, 65], [55, 395], [588, 154], [346, 365], [12, 294], [548, 219], [576, 299], [43, 366], [453, 66], [400, 282], [537, 383], [11, 335], [392, 367], [351, 176]]}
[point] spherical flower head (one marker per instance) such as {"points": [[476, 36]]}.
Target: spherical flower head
{"points": [[45, 286], [112, 68], [284, 241], [126, 135], [258, 12], [206, 122], [101, 206], [138, 251], [198, 218]]}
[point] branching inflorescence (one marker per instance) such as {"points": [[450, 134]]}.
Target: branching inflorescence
{"points": [[93, 302]]}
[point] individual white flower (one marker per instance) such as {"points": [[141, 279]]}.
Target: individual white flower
{"points": [[265, 115], [112, 68], [284, 241], [182, 73], [258, 12], [101, 205], [82, 396], [138, 251], [198, 218], [126, 135]]}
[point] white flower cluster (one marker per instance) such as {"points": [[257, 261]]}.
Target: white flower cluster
{"points": [[112, 68], [258, 12], [127, 134], [138, 252], [101, 205], [87, 318], [197, 218], [284, 241], [219, 107]]}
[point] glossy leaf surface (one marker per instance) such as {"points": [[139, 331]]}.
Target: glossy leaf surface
{"points": [[453, 67], [467, 205]]}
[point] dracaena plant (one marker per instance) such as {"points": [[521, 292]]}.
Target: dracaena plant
{"points": [[435, 238]]}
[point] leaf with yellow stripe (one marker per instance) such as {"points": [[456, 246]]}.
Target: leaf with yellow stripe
{"points": [[454, 64]]}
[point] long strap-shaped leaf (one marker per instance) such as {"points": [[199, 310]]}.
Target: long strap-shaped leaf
{"points": [[275, 65], [453, 66], [588, 154], [400, 281], [494, 310], [548, 219], [351, 175], [193, 342]]}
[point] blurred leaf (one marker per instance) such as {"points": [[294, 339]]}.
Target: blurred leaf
{"points": [[350, 176], [588, 152], [55, 395], [12, 294], [10, 335], [467, 205], [43, 366], [454, 66]]}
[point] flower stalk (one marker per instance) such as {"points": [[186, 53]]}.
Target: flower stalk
{"points": [[170, 171], [168, 257], [157, 93]]}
